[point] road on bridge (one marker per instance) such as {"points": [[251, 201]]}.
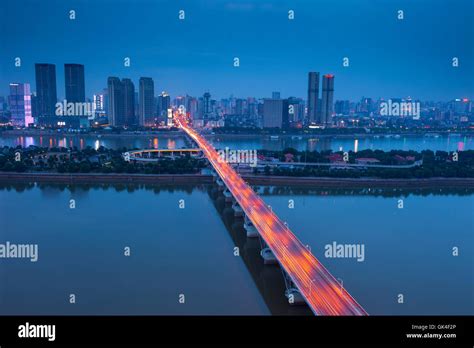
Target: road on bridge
{"points": [[321, 290]]}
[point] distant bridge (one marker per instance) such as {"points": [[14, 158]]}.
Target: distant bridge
{"points": [[154, 155], [341, 164]]}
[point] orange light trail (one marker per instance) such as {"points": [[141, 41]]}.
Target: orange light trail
{"points": [[321, 290]]}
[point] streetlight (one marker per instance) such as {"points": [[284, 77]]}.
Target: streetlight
{"points": [[311, 283], [341, 282]]}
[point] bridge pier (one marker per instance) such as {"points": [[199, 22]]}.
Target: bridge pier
{"points": [[220, 184], [214, 175], [238, 211], [266, 253], [268, 256], [250, 229], [292, 293], [228, 195]]}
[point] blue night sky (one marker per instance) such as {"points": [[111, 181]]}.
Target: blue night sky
{"points": [[388, 57]]}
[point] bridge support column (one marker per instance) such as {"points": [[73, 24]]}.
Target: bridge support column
{"points": [[238, 211], [267, 254], [220, 184], [249, 228], [228, 195], [292, 293], [214, 175]]}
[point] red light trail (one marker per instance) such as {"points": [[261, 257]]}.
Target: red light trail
{"points": [[321, 290]]}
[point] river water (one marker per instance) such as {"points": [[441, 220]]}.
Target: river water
{"points": [[190, 250], [418, 143]]}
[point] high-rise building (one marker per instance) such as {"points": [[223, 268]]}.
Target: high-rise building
{"points": [[136, 115], [163, 104], [46, 89], [74, 83], [116, 113], [206, 106], [342, 107], [239, 107], [365, 106], [275, 95], [129, 102], [275, 113], [295, 110], [460, 106], [99, 101], [19, 101], [146, 101], [327, 100], [180, 100], [105, 93], [192, 107], [313, 95], [34, 106]]}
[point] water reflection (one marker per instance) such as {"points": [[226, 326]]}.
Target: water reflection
{"points": [[267, 278], [412, 243], [313, 143]]}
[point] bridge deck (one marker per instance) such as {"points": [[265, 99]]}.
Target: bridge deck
{"points": [[320, 289]]}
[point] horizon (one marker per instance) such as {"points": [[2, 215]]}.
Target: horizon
{"points": [[269, 96]]}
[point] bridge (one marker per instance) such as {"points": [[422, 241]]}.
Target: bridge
{"points": [[154, 155], [319, 289]]}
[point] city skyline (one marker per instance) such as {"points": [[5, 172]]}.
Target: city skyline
{"points": [[277, 54], [269, 93], [124, 106]]}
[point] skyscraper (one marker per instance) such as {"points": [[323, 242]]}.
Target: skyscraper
{"points": [[239, 109], [327, 100], [129, 102], [20, 104], [192, 107], [313, 92], [342, 107], [98, 105], [116, 112], [45, 89], [164, 102], [146, 101], [275, 113], [295, 110], [74, 83], [206, 106]]}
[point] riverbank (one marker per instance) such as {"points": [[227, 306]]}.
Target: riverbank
{"points": [[231, 135], [307, 136], [45, 132], [251, 179], [359, 182], [106, 178]]}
